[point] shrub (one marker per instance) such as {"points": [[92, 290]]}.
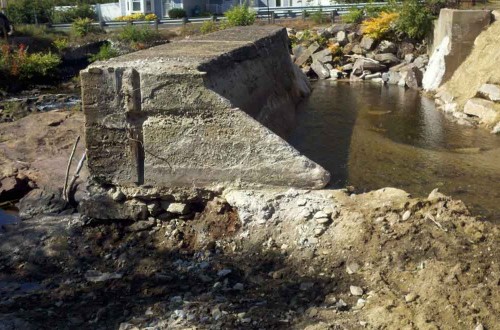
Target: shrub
{"points": [[71, 14], [150, 17], [105, 53], [208, 27], [132, 17], [378, 27], [415, 20], [177, 13], [354, 15], [17, 63], [138, 35], [82, 26], [29, 11], [60, 44], [240, 16]]}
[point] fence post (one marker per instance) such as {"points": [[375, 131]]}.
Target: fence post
{"points": [[272, 17], [156, 22], [304, 13], [184, 21], [214, 17]]}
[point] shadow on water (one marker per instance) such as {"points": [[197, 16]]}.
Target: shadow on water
{"points": [[373, 136]]}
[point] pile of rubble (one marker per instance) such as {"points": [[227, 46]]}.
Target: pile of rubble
{"points": [[342, 51]]}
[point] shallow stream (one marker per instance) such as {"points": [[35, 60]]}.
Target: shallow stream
{"points": [[371, 136]]}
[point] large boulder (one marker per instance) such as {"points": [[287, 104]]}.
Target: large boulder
{"points": [[484, 109], [320, 70], [367, 43], [490, 92]]}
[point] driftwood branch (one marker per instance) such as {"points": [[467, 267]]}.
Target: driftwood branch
{"points": [[65, 188], [76, 175]]}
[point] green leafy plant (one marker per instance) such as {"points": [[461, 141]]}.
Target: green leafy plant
{"points": [[355, 15], [17, 63], [82, 26], [415, 19], [138, 36], [380, 26], [208, 27], [240, 16], [29, 11], [105, 53], [71, 14], [60, 44], [177, 13]]}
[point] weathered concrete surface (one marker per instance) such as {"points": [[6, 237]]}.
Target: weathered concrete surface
{"points": [[455, 31], [189, 114], [478, 70]]}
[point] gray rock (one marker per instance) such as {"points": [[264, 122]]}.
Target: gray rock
{"points": [[104, 208], [141, 225], [39, 201], [386, 46], [118, 196], [365, 64], [386, 58], [421, 61], [394, 77], [323, 56], [320, 70], [385, 76], [341, 37], [351, 36], [239, 287], [412, 76], [304, 286], [224, 272], [496, 129], [178, 208], [357, 49], [307, 54], [406, 215], [409, 58], [347, 67], [356, 290], [410, 297], [352, 268], [483, 109], [490, 92], [298, 50], [367, 43]]}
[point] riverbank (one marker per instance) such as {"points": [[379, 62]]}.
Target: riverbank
{"points": [[382, 259]]}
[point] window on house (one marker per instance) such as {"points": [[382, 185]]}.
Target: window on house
{"points": [[278, 3], [136, 5], [149, 8]]}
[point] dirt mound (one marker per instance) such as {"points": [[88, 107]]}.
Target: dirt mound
{"points": [[382, 261]]}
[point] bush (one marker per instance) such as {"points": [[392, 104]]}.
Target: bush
{"points": [[177, 13], [137, 17], [380, 26], [71, 14], [82, 26], [105, 53], [208, 27], [136, 35], [415, 20], [60, 44], [29, 11], [354, 15], [17, 63], [240, 16]]}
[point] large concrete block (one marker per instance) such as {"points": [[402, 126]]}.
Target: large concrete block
{"points": [[198, 113]]}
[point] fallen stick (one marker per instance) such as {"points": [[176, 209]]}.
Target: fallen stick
{"points": [[76, 175], [65, 188], [430, 217]]}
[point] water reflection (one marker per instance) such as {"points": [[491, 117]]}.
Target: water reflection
{"points": [[373, 136]]}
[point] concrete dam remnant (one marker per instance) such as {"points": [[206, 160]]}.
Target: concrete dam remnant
{"points": [[199, 113]]}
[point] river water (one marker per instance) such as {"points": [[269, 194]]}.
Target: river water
{"points": [[372, 136]]}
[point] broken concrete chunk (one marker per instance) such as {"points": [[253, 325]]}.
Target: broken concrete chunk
{"points": [[483, 109], [322, 56], [178, 208], [320, 70], [490, 92], [306, 54], [367, 43]]}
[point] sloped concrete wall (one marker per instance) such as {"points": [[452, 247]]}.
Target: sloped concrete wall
{"points": [[198, 113], [454, 35]]}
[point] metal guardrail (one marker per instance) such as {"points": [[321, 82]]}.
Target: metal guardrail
{"points": [[262, 12]]}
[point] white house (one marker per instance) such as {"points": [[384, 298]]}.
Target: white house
{"points": [[161, 7]]}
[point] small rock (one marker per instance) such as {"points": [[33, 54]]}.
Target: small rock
{"points": [[490, 92], [224, 272], [367, 43], [352, 268], [118, 196], [410, 297], [356, 290], [178, 208], [479, 327], [239, 287], [341, 305], [306, 286], [409, 58], [406, 215]]}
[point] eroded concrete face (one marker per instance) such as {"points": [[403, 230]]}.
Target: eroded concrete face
{"points": [[198, 113]]}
